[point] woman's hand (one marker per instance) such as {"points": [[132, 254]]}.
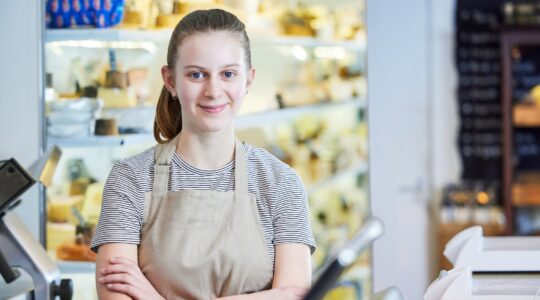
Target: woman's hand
{"points": [[124, 276], [288, 293], [281, 293]]}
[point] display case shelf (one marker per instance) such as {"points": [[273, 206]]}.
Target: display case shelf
{"points": [[107, 34], [72, 267], [279, 115], [101, 141], [336, 68], [357, 45], [358, 168], [242, 122], [163, 35]]}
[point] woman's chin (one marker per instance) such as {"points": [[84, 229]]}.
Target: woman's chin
{"points": [[212, 126]]}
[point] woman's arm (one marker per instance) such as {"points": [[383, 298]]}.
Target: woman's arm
{"points": [[292, 274], [293, 266], [118, 275], [105, 254], [117, 265]]}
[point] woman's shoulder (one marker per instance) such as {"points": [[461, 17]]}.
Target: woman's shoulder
{"points": [[138, 163], [264, 162]]}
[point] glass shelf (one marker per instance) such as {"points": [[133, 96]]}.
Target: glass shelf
{"points": [[242, 122], [358, 168], [309, 42], [70, 267], [107, 34], [163, 35]]}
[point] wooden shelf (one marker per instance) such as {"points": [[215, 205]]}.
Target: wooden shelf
{"points": [[526, 193], [512, 116], [526, 115]]}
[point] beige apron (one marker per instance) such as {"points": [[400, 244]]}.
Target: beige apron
{"points": [[202, 244]]}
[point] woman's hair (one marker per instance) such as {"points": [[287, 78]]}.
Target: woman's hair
{"points": [[168, 121]]}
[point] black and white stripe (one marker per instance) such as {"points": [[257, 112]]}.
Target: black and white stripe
{"points": [[281, 197]]}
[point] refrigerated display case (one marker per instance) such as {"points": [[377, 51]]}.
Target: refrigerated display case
{"points": [[307, 106]]}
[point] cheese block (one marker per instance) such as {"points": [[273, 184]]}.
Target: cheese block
{"points": [[168, 21], [91, 206], [57, 233], [59, 208], [117, 98]]}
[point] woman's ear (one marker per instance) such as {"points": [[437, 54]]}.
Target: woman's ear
{"points": [[168, 79], [249, 78]]}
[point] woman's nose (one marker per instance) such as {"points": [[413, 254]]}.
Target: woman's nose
{"points": [[213, 88]]}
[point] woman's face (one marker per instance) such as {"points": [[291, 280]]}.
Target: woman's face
{"points": [[211, 79]]}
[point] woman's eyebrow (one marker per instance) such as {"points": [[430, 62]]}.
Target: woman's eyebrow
{"points": [[193, 67], [202, 68], [231, 65]]}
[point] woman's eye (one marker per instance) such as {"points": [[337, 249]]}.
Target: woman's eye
{"points": [[228, 74], [197, 75]]}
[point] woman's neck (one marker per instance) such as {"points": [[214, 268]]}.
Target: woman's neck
{"points": [[209, 151]]}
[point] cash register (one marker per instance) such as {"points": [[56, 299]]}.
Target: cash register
{"points": [[25, 267], [489, 268]]}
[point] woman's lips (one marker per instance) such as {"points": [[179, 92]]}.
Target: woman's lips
{"points": [[214, 109]]}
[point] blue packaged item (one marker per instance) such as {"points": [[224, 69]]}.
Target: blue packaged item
{"points": [[76, 13]]}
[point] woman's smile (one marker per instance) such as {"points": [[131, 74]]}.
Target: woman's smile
{"points": [[213, 109]]}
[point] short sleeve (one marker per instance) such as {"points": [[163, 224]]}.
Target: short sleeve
{"points": [[291, 216], [122, 207]]}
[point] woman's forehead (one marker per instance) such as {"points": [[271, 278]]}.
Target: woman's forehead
{"points": [[211, 49]]}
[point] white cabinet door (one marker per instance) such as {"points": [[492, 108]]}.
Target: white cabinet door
{"points": [[399, 108]]}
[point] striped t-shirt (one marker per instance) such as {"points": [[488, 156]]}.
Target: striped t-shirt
{"points": [[281, 197]]}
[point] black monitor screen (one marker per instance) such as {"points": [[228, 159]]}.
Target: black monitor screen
{"points": [[14, 181]]}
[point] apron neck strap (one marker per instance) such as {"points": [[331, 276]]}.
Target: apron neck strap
{"points": [[163, 156], [165, 152], [240, 168]]}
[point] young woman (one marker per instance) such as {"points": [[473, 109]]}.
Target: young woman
{"points": [[202, 215]]}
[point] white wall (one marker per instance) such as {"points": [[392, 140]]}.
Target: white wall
{"points": [[447, 164], [20, 81], [413, 113], [400, 159]]}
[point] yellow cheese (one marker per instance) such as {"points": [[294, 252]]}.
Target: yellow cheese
{"points": [[59, 208], [57, 233], [117, 98], [168, 21], [92, 203]]}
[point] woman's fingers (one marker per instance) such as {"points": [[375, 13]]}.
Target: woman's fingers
{"points": [[123, 265], [123, 260], [118, 268], [127, 289], [118, 278]]}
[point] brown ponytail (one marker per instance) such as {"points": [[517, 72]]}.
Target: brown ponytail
{"points": [[168, 121]]}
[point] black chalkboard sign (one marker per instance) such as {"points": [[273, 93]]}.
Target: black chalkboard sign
{"points": [[477, 55]]}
